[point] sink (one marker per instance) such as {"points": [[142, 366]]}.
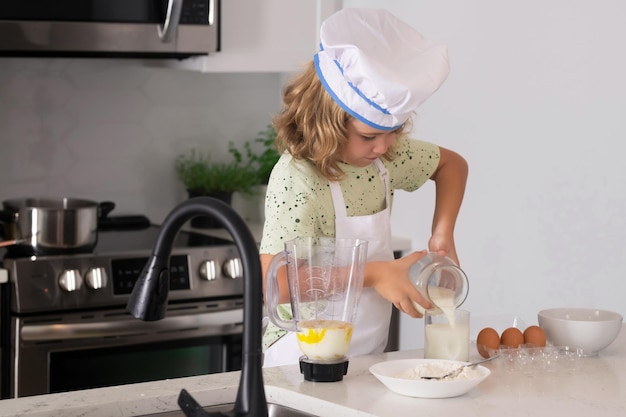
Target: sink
{"points": [[273, 410]]}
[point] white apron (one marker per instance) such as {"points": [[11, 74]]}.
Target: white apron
{"points": [[371, 326]]}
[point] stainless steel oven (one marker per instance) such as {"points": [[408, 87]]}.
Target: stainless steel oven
{"points": [[64, 324]]}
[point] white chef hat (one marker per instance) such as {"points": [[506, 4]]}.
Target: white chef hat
{"points": [[378, 68]]}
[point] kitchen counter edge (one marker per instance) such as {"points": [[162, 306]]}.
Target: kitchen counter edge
{"points": [[360, 394]]}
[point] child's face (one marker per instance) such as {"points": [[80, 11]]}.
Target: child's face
{"points": [[365, 144]]}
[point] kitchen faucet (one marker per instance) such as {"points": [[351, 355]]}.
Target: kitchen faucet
{"points": [[148, 300]]}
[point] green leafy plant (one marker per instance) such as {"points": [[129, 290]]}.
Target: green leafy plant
{"points": [[200, 174], [259, 155]]}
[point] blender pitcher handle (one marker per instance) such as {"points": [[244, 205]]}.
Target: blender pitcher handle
{"points": [[272, 293]]}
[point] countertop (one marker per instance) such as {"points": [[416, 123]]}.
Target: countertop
{"points": [[592, 386]]}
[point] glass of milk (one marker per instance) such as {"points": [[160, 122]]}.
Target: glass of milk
{"points": [[446, 334]]}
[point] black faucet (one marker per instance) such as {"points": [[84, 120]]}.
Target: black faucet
{"points": [[148, 300]]}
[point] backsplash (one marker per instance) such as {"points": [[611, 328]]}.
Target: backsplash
{"points": [[111, 129]]}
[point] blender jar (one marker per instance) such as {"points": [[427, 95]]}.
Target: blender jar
{"points": [[325, 281]]}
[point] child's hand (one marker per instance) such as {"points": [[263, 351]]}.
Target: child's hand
{"points": [[444, 246], [391, 280]]}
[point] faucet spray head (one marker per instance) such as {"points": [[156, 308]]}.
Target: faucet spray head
{"points": [[148, 301]]}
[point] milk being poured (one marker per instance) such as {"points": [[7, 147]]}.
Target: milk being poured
{"points": [[444, 298], [445, 338]]}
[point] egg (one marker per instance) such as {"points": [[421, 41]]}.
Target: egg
{"points": [[512, 337], [534, 335], [487, 341]]}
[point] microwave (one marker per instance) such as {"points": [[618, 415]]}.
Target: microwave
{"points": [[109, 28]]}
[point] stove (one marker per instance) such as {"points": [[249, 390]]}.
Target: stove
{"points": [[64, 324]]}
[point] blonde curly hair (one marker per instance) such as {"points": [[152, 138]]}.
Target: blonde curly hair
{"points": [[312, 126]]}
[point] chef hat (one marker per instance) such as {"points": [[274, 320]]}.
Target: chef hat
{"points": [[378, 68]]}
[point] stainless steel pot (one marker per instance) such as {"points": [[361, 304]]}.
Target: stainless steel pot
{"points": [[47, 225]]}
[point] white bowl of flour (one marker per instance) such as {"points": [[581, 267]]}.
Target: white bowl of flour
{"points": [[404, 376]]}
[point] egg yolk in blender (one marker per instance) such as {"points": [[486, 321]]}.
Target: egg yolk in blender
{"points": [[324, 339]]}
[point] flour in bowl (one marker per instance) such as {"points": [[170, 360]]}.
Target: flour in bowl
{"points": [[437, 369]]}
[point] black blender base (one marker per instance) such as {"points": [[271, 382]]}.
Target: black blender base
{"points": [[317, 371]]}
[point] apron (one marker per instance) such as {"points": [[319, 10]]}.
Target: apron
{"points": [[371, 326]]}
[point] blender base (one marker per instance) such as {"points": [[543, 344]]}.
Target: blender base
{"points": [[323, 371]]}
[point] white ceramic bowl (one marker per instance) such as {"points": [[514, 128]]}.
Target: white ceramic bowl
{"points": [[393, 374], [580, 328]]}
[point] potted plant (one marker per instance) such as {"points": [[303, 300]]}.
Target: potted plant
{"points": [[260, 155], [268, 156], [203, 176]]}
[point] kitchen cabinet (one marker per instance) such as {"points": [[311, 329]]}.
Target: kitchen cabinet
{"points": [[265, 36]]}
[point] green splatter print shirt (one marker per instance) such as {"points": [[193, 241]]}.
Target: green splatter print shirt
{"points": [[299, 203]]}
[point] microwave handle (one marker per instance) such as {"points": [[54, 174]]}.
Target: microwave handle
{"points": [[211, 19], [172, 17]]}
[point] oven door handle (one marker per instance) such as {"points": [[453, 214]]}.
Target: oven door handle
{"points": [[218, 322]]}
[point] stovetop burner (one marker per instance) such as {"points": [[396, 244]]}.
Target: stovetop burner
{"points": [[123, 241], [132, 240]]}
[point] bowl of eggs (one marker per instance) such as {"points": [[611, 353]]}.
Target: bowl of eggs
{"points": [[409, 377], [587, 329]]}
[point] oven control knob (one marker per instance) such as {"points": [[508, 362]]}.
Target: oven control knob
{"points": [[96, 278], [70, 280], [208, 270], [233, 268]]}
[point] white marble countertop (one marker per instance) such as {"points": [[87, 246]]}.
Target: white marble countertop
{"points": [[592, 386]]}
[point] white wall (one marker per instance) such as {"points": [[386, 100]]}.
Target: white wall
{"points": [[536, 102], [111, 129]]}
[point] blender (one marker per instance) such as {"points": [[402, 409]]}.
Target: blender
{"points": [[324, 278]]}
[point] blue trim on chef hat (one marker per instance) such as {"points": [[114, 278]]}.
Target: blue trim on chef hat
{"points": [[343, 105]]}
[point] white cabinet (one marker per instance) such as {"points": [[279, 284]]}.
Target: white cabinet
{"points": [[266, 35]]}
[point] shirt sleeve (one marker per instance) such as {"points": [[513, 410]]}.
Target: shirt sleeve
{"points": [[414, 164], [297, 203]]}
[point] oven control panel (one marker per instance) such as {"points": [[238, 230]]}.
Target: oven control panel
{"points": [[46, 284]]}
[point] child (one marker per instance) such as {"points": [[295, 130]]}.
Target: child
{"points": [[342, 133]]}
